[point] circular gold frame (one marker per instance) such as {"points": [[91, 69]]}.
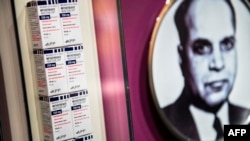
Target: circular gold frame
{"points": [[157, 25], [159, 19]]}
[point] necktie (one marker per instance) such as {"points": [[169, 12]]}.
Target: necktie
{"points": [[218, 128]]}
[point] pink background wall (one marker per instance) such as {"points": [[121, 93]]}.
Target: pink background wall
{"points": [[111, 70], [138, 18]]}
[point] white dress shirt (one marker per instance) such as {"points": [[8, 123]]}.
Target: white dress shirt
{"points": [[204, 121]]}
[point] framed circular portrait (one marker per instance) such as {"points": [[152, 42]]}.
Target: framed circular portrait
{"points": [[199, 68]]}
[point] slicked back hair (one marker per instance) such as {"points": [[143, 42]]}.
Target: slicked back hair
{"points": [[181, 24]]}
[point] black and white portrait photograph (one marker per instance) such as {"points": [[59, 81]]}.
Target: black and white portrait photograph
{"points": [[199, 66]]}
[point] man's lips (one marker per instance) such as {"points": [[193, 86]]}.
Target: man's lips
{"points": [[216, 86]]}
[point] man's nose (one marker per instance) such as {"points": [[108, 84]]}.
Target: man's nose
{"points": [[217, 61]]}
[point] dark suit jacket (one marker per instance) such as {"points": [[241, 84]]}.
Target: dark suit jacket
{"points": [[179, 116]]}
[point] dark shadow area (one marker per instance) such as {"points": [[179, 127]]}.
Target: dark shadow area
{"points": [[5, 134], [150, 110]]}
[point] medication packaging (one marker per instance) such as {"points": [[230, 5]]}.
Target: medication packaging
{"points": [[75, 68], [51, 72], [81, 113], [56, 117], [45, 24], [70, 22]]}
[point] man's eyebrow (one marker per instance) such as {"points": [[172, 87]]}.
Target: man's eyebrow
{"points": [[201, 41], [230, 38]]}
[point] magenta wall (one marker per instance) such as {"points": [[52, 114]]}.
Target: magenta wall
{"points": [[111, 69], [138, 18]]}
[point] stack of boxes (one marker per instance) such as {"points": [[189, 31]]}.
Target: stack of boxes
{"points": [[60, 67]]}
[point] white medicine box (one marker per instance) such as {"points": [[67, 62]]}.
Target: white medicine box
{"points": [[70, 22], [75, 68], [56, 117], [81, 117], [45, 24], [51, 71]]}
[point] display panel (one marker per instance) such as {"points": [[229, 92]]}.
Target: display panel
{"points": [[112, 71], [198, 66], [90, 99]]}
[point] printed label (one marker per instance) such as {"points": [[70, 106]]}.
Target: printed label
{"points": [[50, 70], [45, 25], [40, 72], [58, 112], [46, 119], [34, 27], [70, 22], [50, 26], [75, 68], [55, 71], [81, 113]]}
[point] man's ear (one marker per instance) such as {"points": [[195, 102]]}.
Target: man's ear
{"points": [[180, 54]]}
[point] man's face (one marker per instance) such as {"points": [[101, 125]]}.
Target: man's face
{"points": [[209, 56]]}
